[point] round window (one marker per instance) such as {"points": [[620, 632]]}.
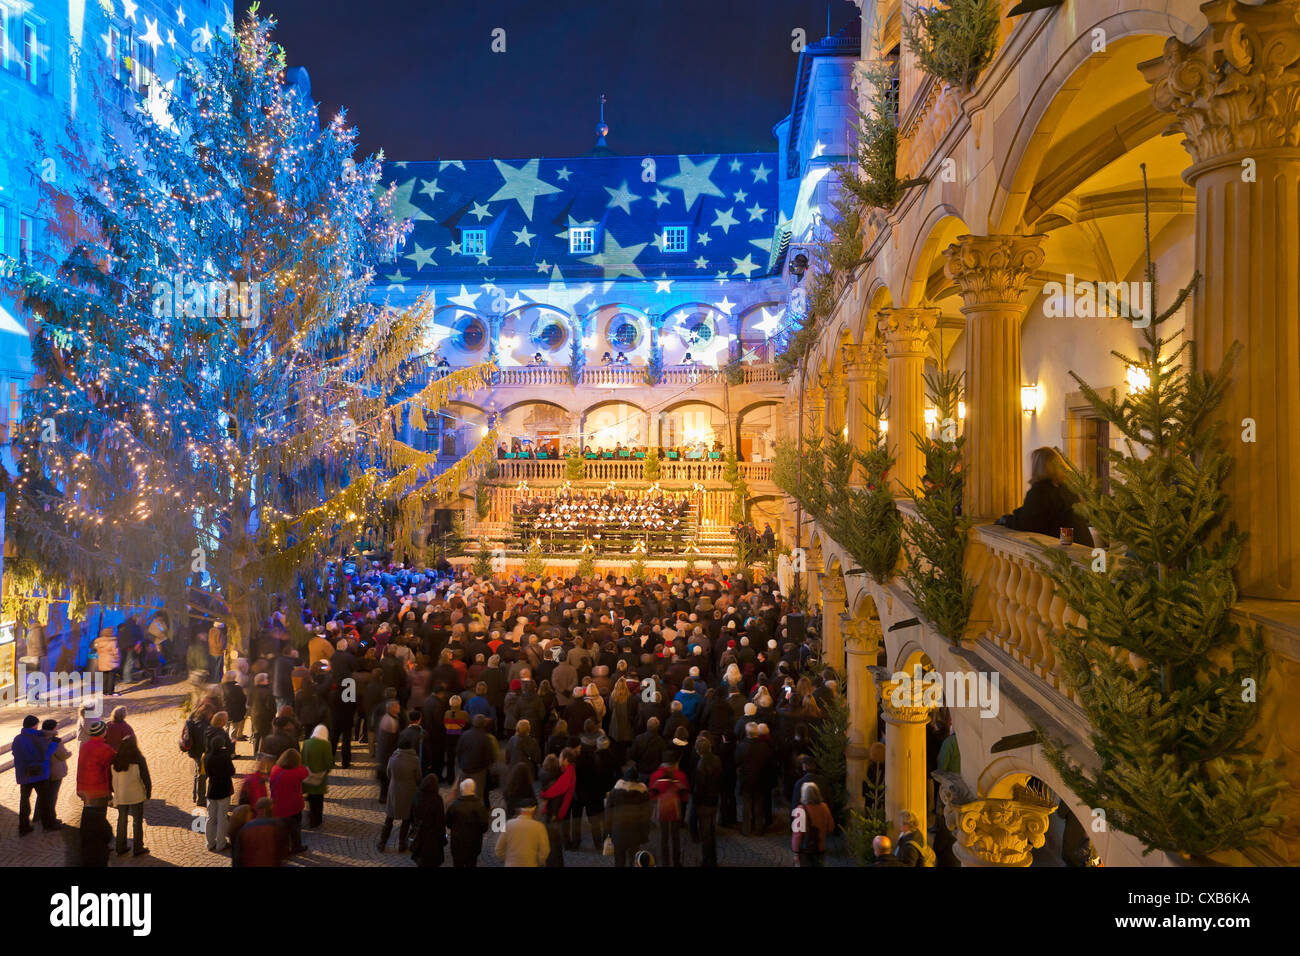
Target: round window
{"points": [[697, 330], [471, 333], [624, 333], [549, 333]]}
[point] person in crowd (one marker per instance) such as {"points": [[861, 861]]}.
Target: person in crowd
{"points": [[428, 824], [287, 777], [132, 786], [32, 752], [1049, 504], [559, 783], [668, 787], [108, 657], [403, 784], [219, 764], [524, 842], [883, 850], [235, 703], [706, 792], [318, 758], [264, 840], [912, 849], [261, 708], [118, 729], [467, 821], [59, 758], [811, 824], [628, 810]]}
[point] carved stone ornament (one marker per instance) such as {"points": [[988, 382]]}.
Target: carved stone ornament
{"points": [[1236, 86], [991, 831], [906, 331], [993, 270]]}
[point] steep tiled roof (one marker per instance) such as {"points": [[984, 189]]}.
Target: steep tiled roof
{"points": [[728, 201]]}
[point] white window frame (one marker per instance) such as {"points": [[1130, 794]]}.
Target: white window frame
{"points": [[677, 238], [31, 62], [26, 244], [473, 242], [4, 37], [582, 240]]}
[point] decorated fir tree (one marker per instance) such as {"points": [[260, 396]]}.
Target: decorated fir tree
{"points": [[535, 560], [575, 466], [1168, 680], [935, 544], [482, 566], [650, 467], [218, 405]]}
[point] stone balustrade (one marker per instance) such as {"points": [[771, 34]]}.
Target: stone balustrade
{"points": [[622, 470], [612, 376]]}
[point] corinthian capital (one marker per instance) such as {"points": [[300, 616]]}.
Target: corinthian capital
{"points": [[906, 331], [993, 832], [992, 270], [861, 636], [863, 360], [1236, 86]]}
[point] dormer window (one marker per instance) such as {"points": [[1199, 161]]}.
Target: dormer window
{"points": [[473, 242], [675, 238], [582, 240]]}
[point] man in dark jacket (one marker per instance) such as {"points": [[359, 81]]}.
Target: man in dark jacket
{"points": [[752, 756], [219, 762], [280, 739], [648, 749], [467, 821], [476, 753], [706, 793], [628, 811], [31, 752], [435, 734], [343, 696], [523, 747], [429, 817]]}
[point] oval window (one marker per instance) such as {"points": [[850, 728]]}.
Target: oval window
{"points": [[471, 333], [624, 333], [549, 333]]}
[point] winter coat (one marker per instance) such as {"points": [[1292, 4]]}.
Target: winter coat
{"points": [[467, 821], [668, 786], [107, 655], [706, 788], [286, 791], [219, 764], [559, 795], [234, 701], [524, 842], [430, 828], [94, 770], [403, 783], [261, 706], [131, 786], [317, 757], [32, 750], [526, 749], [817, 825], [629, 809]]}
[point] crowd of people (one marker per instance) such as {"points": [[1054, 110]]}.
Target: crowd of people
{"points": [[632, 715]]}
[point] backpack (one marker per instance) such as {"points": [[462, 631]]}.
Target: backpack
{"points": [[187, 738], [927, 855]]}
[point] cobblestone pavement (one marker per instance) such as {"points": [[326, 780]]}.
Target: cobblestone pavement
{"points": [[347, 837]]}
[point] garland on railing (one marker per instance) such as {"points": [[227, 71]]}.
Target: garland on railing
{"points": [[954, 42], [935, 543], [1172, 712]]}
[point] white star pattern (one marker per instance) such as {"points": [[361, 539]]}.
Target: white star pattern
{"points": [[403, 208], [150, 35], [693, 180], [621, 197], [480, 211], [522, 185], [466, 299], [564, 172], [703, 238], [443, 164], [722, 277], [421, 257], [701, 263], [524, 238], [171, 38], [755, 212], [726, 305], [430, 189], [740, 195], [616, 260], [663, 284], [660, 197], [760, 172], [543, 266], [744, 266], [128, 9], [454, 248], [180, 16], [204, 37], [735, 165], [724, 220]]}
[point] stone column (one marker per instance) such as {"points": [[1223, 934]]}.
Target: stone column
{"points": [[837, 397], [862, 644], [905, 719], [906, 335], [862, 365], [991, 273], [1234, 92], [834, 596], [990, 831], [814, 404]]}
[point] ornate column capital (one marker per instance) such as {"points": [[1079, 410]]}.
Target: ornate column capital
{"points": [[906, 332], [861, 635], [1236, 86], [863, 360], [902, 701], [993, 270], [833, 589], [991, 831]]}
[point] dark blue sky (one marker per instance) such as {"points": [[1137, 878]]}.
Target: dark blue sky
{"points": [[419, 78]]}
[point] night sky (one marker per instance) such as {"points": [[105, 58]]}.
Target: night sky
{"points": [[419, 78]]}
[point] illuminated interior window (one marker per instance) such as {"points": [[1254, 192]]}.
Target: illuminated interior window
{"points": [[582, 240], [33, 53], [675, 238], [26, 237], [143, 63], [473, 242]]}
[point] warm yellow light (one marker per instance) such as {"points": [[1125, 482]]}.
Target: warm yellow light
{"points": [[961, 410], [1139, 380], [884, 426], [1031, 398], [931, 416]]}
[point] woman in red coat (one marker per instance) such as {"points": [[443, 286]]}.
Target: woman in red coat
{"points": [[287, 803]]}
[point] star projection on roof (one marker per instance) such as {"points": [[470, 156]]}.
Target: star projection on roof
{"points": [[693, 180], [522, 185], [617, 260]]}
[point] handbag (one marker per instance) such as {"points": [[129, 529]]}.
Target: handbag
{"points": [[314, 779]]}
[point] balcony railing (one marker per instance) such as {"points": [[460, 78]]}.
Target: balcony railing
{"points": [[620, 470], [607, 376]]}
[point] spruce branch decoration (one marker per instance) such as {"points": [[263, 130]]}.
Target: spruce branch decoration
{"points": [[935, 543], [955, 41], [1160, 665]]}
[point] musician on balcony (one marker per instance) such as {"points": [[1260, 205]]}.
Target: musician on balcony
{"points": [[621, 360], [607, 359]]}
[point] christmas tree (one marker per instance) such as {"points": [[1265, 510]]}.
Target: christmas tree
{"points": [[218, 404], [935, 574], [1167, 679]]}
